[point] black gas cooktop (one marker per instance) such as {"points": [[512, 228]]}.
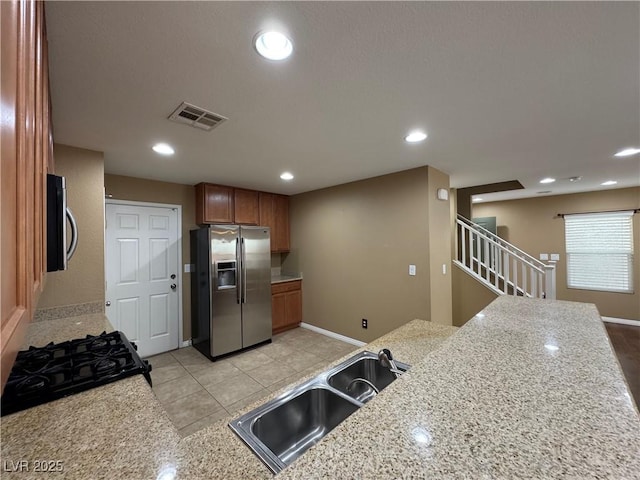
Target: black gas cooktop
{"points": [[43, 374]]}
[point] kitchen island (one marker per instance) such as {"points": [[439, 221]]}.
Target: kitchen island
{"points": [[526, 389]]}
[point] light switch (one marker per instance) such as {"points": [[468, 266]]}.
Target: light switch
{"points": [[444, 268], [544, 256], [555, 257], [187, 268], [412, 269]]}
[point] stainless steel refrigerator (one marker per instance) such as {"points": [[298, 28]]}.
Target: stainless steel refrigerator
{"points": [[230, 288]]}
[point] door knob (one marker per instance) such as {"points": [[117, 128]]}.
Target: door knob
{"points": [[107, 303], [173, 275], [173, 286]]}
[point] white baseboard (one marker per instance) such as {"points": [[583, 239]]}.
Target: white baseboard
{"points": [[186, 343], [331, 334], [622, 321]]}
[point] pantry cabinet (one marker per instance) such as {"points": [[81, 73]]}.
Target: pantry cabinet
{"points": [[27, 155]]}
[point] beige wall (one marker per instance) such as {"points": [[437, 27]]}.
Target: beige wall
{"points": [[532, 225], [83, 281], [469, 296], [353, 244], [141, 190], [439, 219]]}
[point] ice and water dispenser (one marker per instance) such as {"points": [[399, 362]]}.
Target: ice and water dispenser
{"points": [[225, 274]]}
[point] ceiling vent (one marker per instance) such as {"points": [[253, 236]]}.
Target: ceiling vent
{"points": [[196, 117]]}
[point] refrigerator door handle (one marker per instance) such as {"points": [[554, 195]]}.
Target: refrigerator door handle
{"points": [[238, 276], [244, 274]]}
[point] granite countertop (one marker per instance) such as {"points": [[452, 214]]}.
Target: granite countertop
{"points": [[60, 330], [119, 427], [527, 389], [284, 278], [216, 452], [121, 430], [490, 401]]}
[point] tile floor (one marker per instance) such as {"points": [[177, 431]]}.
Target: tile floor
{"points": [[196, 392]]}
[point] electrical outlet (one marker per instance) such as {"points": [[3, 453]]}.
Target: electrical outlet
{"points": [[365, 323], [412, 270]]}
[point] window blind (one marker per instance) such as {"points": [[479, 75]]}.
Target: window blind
{"points": [[600, 251]]}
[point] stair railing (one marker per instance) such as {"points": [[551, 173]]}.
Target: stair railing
{"points": [[501, 266]]}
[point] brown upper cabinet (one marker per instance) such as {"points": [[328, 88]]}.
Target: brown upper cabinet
{"points": [[214, 204], [274, 213], [222, 204], [247, 207], [267, 213], [280, 231]]}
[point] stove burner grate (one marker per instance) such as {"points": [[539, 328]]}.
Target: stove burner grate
{"points": [[47, 373]]}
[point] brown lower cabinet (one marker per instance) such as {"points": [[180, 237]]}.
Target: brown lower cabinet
{"points": [[286, 305]]}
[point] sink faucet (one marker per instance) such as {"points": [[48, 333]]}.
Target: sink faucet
{"points": [[366, 382], [386, 360]]}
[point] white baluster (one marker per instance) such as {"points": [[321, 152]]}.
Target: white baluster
{"points": [[507, 258]]}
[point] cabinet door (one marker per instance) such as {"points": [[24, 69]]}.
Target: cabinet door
{"points": [[247, 207], [293, 308], [266, 214], [214, 204], [280, 236], [266, 210], [24, 159], [278, 311]]}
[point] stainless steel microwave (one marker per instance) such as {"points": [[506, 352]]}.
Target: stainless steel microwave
{"points": [[58, 254]]}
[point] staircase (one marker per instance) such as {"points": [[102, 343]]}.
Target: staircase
{"points": [[501, 266]]}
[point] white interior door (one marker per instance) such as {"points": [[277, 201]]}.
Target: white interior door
{"points": [[142, 291]]}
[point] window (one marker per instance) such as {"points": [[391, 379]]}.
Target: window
{"points": [[600, 251]]}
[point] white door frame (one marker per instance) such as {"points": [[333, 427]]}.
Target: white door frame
{"points": [[178, 208]]}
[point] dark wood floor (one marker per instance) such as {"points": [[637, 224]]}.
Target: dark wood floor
{"points": [[626, 343]]}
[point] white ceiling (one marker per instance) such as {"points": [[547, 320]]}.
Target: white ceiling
{"points": [[506, 91]]}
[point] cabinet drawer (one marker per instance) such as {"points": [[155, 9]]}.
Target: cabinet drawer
{"points": [[286, 287]]}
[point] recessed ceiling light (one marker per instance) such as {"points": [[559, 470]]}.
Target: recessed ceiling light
{"points": [[273, 45], [163, 149], [477, 199], [547, 180], [286, 176], [551, 347], [575, 179], [415, 137], [609, 182], [627, 152]]}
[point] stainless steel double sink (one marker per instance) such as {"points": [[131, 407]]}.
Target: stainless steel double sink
{"points": [[281, 430]]}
